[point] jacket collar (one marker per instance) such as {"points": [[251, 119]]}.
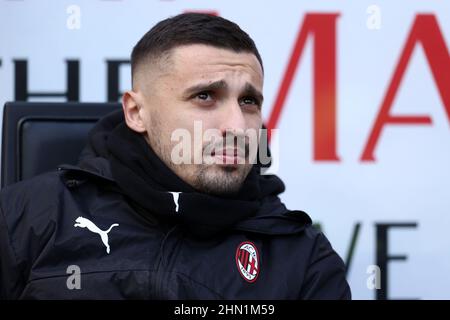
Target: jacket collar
{"points": [[285, 222], [97, 168]]}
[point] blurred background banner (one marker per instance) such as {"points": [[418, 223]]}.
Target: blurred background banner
{"points": [[359, 90]]}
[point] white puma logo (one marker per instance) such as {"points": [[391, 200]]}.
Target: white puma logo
{"points": [[176, 195], [86, 223]]}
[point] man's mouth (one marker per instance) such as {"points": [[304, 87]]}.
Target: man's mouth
{"points": [[229, 156]]}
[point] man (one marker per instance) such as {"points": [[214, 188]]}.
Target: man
{"points": [[139, 217]]}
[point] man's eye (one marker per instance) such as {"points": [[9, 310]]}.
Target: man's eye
{"points": [[249, 101], [206, 96]]}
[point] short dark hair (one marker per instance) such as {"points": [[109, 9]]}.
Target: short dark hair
{"points": [[191, 28]]}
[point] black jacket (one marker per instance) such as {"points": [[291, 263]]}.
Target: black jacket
{"points": [[71, 234]]}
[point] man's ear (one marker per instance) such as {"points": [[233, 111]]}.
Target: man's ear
{"points": [[133, 112]]}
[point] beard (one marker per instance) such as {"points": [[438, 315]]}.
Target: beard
{"points": [[221, 179]]}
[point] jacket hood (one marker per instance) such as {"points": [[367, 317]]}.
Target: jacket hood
{"points": [[273, 218]]}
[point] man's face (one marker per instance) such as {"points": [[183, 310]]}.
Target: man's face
{"points": [[206, 87]]}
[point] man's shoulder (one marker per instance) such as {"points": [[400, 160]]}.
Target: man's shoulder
{"points": [[35, 187], [326, 274], [31, 197], [313, 242]]}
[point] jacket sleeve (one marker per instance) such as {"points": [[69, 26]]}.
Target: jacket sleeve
{"points": [[10, 276], [325, 277]]}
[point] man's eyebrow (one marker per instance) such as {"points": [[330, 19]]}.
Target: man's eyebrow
{"points": [[210, 86], [251, 90]]}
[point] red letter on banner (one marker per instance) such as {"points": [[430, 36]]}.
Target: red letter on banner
{"points": [[426, 31], [323, 28]]}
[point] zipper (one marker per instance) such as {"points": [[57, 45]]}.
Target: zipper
{"points": [[159, 270], [72, 183], [154, 283]]}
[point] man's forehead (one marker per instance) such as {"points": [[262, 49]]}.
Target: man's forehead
{"points": [[187, 65], [207, 61]]}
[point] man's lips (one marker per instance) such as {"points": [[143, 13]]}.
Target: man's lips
{"points": [[229, 152], [228, 155]]}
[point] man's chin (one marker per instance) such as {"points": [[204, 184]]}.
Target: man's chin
{"points": [[223, 179]]}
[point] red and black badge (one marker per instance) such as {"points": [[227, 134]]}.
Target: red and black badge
{"points": [[247, 261]]}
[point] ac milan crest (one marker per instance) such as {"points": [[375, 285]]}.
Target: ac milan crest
{"points": [[247, 261]]}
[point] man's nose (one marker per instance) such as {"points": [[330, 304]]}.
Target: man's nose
{"points": [[232, 119]]}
